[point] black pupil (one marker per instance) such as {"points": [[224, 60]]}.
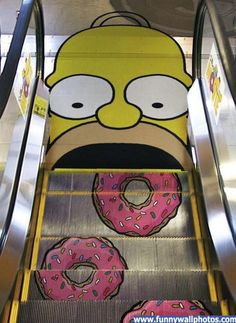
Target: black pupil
{"points": [[157, 105], [77, 105]]}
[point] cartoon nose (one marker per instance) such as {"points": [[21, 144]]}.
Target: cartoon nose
{"points": [[119, 114]]}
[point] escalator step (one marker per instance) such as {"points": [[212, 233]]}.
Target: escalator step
{"points": [[145, 253], [70, 215], [83, 181], [81, 312], [147, 285]]}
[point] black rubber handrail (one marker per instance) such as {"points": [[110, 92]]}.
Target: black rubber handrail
{"points": [[222, 42], [28, 7]]}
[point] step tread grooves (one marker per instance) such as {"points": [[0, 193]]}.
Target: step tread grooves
{"points": [[82, 312]]}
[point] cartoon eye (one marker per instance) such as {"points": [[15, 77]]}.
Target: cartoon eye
{"points": [[79, 96], [157, 105], [158, 96], [77, 105]]}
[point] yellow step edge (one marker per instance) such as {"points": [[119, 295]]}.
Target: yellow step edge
{"points": [[85, 193], [200, 242], [114, 170], [224, 308], [16, 296], [39, 224], [25, 286], [212, 286], [14, 311], [197, 227], [35, 243]]}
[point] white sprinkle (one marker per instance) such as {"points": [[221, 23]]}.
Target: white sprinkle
{"points": [[58, 260], [137, 226], [143, 213], [70, 252], [84, 291], [111, 175], [121, 224], [181, 305], [44, 280], [97, 256], [102, 202], [155, 203], [97, 281], [128, 218], [152, 313], [94, 244], [71, 296]]}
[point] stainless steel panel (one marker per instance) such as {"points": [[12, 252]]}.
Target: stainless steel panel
{"points": [[221, 233], [68, 215], [221, 112], [138, 285], [147, 253]]}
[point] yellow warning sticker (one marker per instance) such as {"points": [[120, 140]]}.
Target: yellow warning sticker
{"points": [[40, 106]]}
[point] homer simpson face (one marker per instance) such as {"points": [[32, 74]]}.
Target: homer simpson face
{"points": [[119, 90]]}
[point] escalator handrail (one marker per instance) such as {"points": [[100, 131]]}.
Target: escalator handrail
{"points": [[13, 232], [222, 42], [27, 10], [28, 7]]}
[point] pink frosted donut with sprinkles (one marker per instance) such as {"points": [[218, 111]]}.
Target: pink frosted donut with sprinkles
{"points": [[97, 253], [165, 308], [117, 210]]}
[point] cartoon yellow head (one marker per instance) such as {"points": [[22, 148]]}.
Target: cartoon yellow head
{"points": [[119, 89]]}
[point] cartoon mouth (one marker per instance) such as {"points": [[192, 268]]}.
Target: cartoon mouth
{"points": [[93, 146]]}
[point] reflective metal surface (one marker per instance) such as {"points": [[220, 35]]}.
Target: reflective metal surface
{"points": [[216, 215], [63, 17], [227, 11], [14, 120], [221, 113], [173, 17], [15, 237]]}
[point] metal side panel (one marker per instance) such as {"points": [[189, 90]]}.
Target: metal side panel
{"points": [[216, 215], [14, 242]]}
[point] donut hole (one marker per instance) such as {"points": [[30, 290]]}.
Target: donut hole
{"points": [[137, 192], [80, 274]]}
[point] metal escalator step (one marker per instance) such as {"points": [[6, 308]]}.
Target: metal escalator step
{"points": [[146, 253], [83, 181], [70, 215], [81, 312], [147, 285]]}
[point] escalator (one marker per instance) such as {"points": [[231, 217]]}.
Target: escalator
{"points": [[144, 222]]}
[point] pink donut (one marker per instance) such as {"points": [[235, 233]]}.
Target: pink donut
{"points": [[98, 254], [143, 219], [165, 308]]}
